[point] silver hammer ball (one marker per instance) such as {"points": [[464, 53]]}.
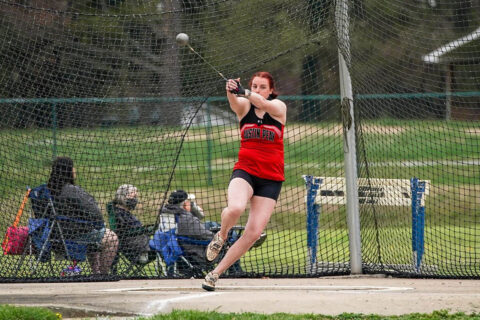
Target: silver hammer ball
{"points": [[182, 39]]}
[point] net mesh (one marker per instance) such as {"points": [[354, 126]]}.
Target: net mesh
{"points": [[104, 83], [415, 62]]}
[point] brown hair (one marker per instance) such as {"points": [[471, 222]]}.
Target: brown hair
{"points": [[61, 174], [269, 77]]}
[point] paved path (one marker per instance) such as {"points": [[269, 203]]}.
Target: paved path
{"points": [[327, 295]]}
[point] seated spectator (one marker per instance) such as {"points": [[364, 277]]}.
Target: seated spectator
{"points": [[190, 225], [197, 211], [132, 234], [86, 224]]}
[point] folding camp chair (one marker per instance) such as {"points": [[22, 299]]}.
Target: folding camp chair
{"points": [[177, 255], [125, 262], [171, 260], [46, 235]]}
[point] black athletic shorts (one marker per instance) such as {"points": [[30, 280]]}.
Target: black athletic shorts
{"points": [[261, 187]]}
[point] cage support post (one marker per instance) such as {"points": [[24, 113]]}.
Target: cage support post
{"points": [[350, 158]]}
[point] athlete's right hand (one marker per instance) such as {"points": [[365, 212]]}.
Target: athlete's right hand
{"points": [[234, 86]]}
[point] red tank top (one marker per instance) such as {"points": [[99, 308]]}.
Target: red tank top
{"points": [[261, 147]]}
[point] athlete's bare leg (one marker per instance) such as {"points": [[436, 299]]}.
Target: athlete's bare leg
{"points": [[261, 210], [239, 193]]}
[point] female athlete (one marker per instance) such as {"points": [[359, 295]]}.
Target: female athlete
{"points": [[259, 172]]}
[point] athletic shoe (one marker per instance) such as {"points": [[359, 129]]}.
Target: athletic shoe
{"points": [[209, 283], [214, 247]]}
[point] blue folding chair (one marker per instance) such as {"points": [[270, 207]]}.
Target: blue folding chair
{"points": [[168, 246], [46, 234], [178, 255], [171, 259]]}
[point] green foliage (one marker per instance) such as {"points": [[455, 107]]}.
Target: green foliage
{"points": [[8, 312], [212, 315], [391, 39], [266, 27]]}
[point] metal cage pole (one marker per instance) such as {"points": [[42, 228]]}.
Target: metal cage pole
{"points": [[352, 206]]}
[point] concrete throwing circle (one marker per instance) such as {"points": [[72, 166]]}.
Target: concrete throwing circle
{"points": [[337, 289]]}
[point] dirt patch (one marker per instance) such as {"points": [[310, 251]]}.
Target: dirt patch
{"points": [[374, 129], [301, 131], [475, 131], [227, 135]]}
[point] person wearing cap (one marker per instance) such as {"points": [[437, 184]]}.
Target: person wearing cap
{"points": [[188, 224], [132, 234]]}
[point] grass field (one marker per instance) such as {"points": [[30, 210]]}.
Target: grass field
{"points": [[8, 312], [446, 153], [150, 151], [285, 252]]}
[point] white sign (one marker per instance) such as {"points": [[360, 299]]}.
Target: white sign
{"points": [[382, 192]]}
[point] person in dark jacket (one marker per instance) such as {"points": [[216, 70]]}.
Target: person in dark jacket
{"points": [[84, 219], [133, 235], [189, 225]]}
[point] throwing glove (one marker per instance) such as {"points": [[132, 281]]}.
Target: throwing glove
{"points": [[240, 91]]}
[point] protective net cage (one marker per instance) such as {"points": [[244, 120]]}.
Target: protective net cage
{"points": [[100, 92]]}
